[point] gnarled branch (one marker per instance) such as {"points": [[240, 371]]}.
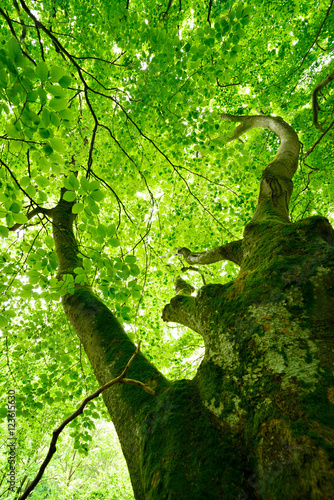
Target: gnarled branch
{"points": [[231, 251], [276, 185]]}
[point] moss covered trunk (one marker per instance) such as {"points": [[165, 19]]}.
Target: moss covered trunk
{"points": [[257, 420], [267, 375]]}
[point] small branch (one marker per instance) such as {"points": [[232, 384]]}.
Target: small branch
{"points": [[17, 182], [102, 60], [210, 180], [315, 105], [231, 251], [9, 22], [317, 35], [164, 14], [52, 449], [200, 203], [40, 43], [227, 85], [209, 12], [21, 140], [304, 58], [320, 138]]}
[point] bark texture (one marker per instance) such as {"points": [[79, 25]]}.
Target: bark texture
{"points": [[257, 421]]}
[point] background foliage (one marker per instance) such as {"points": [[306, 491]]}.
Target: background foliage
{"points": [[119, 102]]}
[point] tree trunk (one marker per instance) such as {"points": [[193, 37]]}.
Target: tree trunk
{"points": [[267, 374], [257, 420]]}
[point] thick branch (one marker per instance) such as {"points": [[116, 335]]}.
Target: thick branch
{"points": [[31, 215], [107, 346], [276, 185], [315, 105], [231, 251], [182, 310], [56, 433]]}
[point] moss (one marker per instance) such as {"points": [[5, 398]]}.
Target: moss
{"points": [[188, 454], [299, 428], [317, 406]]}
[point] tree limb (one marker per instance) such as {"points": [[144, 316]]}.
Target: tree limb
{"points": [[30, 215], [315, 105], [52, 449], [287, 153], [276, 181], [231, 251]]}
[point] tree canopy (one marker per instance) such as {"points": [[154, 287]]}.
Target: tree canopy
{"points": [[124, 104]]}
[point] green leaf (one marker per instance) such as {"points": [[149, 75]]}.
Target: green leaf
{"points": [[93, 185], [94, 208], [114, 242], [57, 145], [4, 231], [102, 230], [44, 133], [134, 270], [65, 81], [66, 114], [71, 182], [46, 116], [20, 218], [41, 181], [15, 208], [56, 90], [84, 184], [13, 47], [97, 195], [42, 71], [56, 73], [130, 259], [57, 103], [54, 119], [3, 321], [79, 270], [42, 95], [32, 96], [25, 181], [12, 131], [47, 149], [31, 191], [77, 207], [69, 196]]}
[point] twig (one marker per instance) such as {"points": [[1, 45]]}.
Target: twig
{"points": [[52, 449]]}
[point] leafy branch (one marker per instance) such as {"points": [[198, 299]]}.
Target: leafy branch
{"points": [[52, 449]]}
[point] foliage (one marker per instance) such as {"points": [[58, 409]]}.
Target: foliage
{"points": [[119, 102]]}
